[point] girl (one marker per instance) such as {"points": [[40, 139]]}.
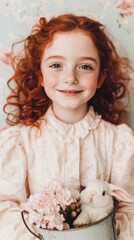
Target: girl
{"points": [[65, 98]]}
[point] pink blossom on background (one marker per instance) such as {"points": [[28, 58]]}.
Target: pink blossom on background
{"points": [[125, 8], [6, 58]]}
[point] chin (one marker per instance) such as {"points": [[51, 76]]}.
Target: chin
{"points": [[69, 106]]}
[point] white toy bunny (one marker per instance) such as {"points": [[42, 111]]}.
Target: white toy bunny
{"points": [[97, 201]]}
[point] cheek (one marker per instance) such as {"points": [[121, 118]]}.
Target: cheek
{"points": [[91, 85], [49, 82]]}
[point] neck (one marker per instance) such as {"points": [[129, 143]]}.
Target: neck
{"points": [[70, 116]]}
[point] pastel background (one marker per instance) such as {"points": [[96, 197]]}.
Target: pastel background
{"points": [[18, 16]]}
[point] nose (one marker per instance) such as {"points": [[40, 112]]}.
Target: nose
{"points": [[70, 77], [91, 197]]}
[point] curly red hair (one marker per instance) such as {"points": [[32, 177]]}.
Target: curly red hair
{"points": [[27, 95]]}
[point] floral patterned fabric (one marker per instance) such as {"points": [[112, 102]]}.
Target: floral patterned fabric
{"points": [[30, 159]]}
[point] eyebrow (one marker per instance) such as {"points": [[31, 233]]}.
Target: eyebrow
{"points": [[61, 57], [89, 58], [54, 56]]}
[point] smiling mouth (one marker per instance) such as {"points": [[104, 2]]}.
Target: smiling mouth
{"points": [[70, 91]]}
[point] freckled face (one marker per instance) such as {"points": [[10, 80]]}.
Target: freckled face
{"points": [[70, 69]]}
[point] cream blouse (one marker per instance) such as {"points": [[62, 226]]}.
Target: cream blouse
{"points": [[75, 153]]}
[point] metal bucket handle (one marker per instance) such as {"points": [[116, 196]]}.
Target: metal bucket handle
{"points": [[39, 236]]}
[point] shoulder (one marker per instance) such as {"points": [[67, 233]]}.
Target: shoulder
{"points": [[117, 130], [12, 150], [120, 138], [124, 131], [115, 134], [17, 137], [10, 139], [107, 132], [9, 133], [124, 139]]}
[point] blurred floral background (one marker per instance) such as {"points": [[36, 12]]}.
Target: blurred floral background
{"points": [[18, 16]]}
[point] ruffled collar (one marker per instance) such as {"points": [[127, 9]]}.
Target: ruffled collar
{"points": [[69, 132]]}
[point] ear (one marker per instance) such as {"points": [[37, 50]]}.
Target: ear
{"points": [[102, 78], [120, 194]]}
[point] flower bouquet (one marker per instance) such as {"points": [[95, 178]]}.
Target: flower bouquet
{"points": [[54, 209]]}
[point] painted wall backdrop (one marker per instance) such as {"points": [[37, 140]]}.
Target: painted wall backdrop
{"points": [[18, 16]]}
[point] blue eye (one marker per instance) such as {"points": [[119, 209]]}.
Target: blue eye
{"points": [[86, 67], [55, 65]]}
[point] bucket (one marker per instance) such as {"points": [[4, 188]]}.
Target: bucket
{"points": [[103, 229]]}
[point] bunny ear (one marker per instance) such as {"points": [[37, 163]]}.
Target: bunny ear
{"points": [[120, 194]]}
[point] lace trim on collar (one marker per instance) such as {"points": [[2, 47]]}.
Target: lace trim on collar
{"points": [[69, 132]]}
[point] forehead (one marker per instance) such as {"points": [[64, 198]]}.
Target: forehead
{"points": [[74, 42]]}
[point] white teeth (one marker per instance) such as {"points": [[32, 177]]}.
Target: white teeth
{"points": [[70, 91]]}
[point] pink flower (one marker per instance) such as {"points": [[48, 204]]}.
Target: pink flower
{"points": [[125, 8], [35, 218], [46, 209], [6, 58], [57, 222]]}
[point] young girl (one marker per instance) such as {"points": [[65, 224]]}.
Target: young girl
{"points": [[65, 100]]}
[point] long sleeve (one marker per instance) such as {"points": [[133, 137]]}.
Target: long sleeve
{"points": [[86, 150], [13, 185], [123, 175]]}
